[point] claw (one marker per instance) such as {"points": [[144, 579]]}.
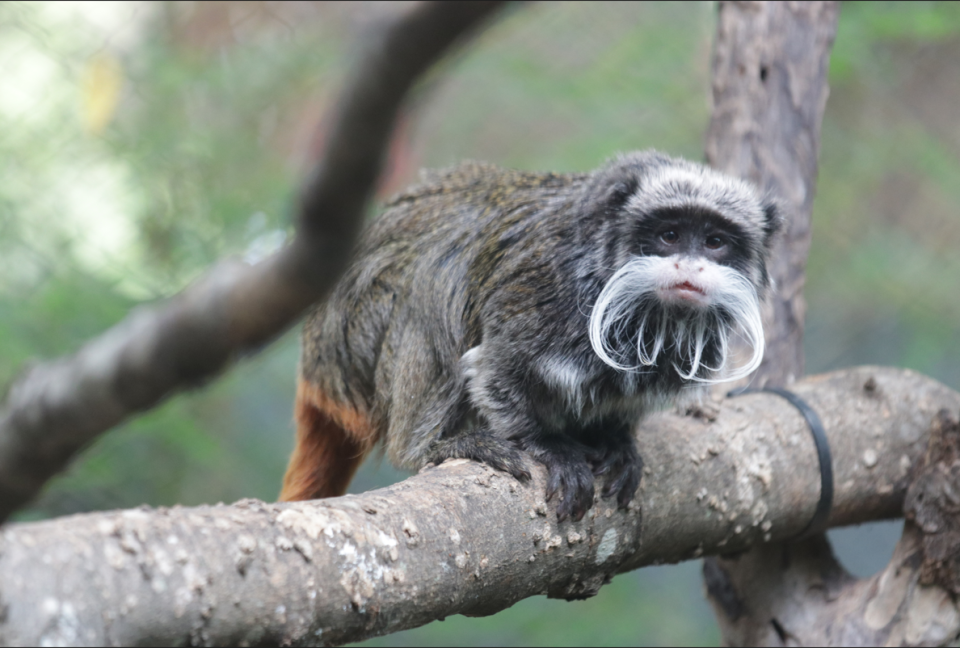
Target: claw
{"points": [[623, 469], [583, 505], [601, 469], [574, 483], [625, 496]]}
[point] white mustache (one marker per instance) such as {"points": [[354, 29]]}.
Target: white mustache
{"points": [[632, 291]]}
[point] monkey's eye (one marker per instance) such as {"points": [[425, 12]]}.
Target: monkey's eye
{"points": [[670, 237], [714, 243]]}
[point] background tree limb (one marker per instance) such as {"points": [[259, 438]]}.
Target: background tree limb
{"points": [[57, 407], [344, 569], [770, 89]]}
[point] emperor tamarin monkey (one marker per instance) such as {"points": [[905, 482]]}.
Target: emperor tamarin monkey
{"points": [[496, 315]]}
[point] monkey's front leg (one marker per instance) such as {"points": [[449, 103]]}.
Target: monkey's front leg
{"points": [[570, 465]]}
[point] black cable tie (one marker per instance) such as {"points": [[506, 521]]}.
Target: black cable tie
{"points": [[818, 523]]}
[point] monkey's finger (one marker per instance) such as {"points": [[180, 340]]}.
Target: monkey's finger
{"points": [[580, 491], [483, 447], [572, 495], [604, 463], [624, 484], [617, 481], [584, 500], [553, 484], [512, 464]]}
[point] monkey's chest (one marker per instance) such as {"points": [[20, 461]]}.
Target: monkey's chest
{"points": [[572, 392]]}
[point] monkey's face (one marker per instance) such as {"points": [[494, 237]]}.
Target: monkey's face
{"points": [[685, 289], [689, 256], [695, 245]]}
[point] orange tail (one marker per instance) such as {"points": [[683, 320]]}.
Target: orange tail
{"points": [[332, 441]]}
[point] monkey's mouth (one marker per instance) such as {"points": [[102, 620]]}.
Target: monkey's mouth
{"points": [[686, 291]]}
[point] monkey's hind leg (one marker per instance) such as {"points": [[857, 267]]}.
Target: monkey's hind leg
{"points": [[480, 445], [332, 440]]}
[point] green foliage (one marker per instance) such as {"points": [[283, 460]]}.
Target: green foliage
{"points": [[883, 270], [540, 91]]}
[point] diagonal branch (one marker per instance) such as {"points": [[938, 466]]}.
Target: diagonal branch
{"points": [[344, 569], [57, 407]]}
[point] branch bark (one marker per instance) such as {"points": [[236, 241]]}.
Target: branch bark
{"points": [[56, 408], [344, 569], [798, 594]]}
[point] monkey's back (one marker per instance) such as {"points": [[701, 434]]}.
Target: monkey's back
{"points": [[388, 341]]}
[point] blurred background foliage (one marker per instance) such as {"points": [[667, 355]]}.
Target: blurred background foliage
{"points": [[141, 142]]}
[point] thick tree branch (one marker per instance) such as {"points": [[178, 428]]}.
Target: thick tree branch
{"points": [[344, 569], [798, 594], [57, 407]]}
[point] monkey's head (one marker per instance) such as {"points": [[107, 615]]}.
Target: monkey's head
{"points": [[689, 268]]}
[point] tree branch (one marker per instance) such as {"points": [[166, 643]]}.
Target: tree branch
{"points": [[344, 569], [799, 594], [56, 408]]}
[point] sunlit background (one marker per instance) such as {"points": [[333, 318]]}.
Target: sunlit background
{"points": [[140, 142]]}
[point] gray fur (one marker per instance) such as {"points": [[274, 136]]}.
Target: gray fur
{"points": [[467, 311]]}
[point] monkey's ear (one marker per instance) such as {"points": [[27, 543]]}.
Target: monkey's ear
{"points": [[613, 185], [773, 220], [608, 193], [620, 191]]}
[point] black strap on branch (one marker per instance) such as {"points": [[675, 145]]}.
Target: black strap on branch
{"points": [[818, 523]]}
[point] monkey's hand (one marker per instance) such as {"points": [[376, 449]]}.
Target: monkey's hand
{"points": [[568, 473], [480, 445], [616, 457]]}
